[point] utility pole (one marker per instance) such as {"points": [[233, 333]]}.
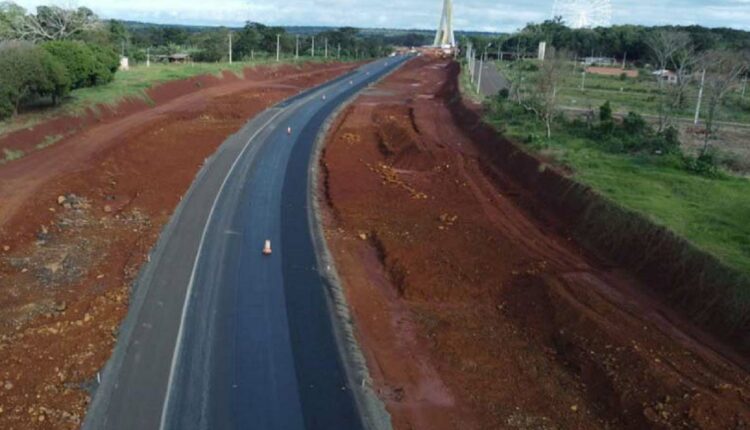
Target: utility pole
{"points": [[338, 51], [700, 98], [624, 59], [278, 48], [583, 79], [230, 47], [499, 53], [296, 47], [252, 54], [326, 47], [744, 87], [148, 57], [479, 78], [313, 46]]}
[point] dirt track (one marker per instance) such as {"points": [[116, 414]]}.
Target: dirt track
{"points": [[66, 266], [475, 310]]}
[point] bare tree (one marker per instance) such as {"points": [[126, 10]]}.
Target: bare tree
{"points": [[664, 46], [10, 15], [724, 70], [543, 99], [54, 23], [684, 61]]}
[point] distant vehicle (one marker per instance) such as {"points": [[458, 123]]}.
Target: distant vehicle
{"points": [[267, 248]]}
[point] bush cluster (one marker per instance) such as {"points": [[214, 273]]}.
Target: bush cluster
{"points": [[29, 72], [631, 135]]}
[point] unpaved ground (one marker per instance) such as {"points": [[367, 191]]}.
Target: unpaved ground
{"points": [[476, 311], [77, 220]]}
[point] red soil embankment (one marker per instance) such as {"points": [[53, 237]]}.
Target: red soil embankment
{"points": [[66, 265], [476, 309], [690, 280]]}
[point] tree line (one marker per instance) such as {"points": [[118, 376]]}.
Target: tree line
{"points": [[253, 40], [618, 41]]}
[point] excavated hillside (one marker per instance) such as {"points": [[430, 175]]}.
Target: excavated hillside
{"points": [[475, 307]]}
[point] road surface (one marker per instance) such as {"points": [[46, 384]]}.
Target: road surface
{"points": [[218, 335], [492, 80]]}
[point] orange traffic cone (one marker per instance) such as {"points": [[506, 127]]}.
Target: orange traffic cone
{"points": [[267, 248]]}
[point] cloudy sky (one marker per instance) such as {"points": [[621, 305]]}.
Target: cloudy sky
{"points": [[487, 15]]}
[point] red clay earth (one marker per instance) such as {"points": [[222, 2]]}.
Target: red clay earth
{"points": [[474, 311], [77, 220]]}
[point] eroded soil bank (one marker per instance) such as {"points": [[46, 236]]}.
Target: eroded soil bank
{"points": [[477, 310], [78, 219]]}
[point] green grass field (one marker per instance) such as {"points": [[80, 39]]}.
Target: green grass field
{"points": [[712, 213], [632, 94], [132, 83]]}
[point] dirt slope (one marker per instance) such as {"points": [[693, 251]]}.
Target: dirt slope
{"points": [[477, 311], [77, 220]]}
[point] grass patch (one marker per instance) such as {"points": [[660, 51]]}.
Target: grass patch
{"points": [[11, 154], [639, 94], [713, 213], [133, 83], [48, 141]]}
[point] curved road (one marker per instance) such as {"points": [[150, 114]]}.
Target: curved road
{"points": [[218, 335]]}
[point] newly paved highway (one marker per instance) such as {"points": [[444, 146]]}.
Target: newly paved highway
{"points": [[219, 336]]}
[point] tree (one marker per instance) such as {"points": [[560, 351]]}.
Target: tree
{"points": [[27, 71], [247, 41], [10, 17], [213, 46], [683, 61], [54, 23], [723, 72], [543, 100], [86, 66], [664, 45]]}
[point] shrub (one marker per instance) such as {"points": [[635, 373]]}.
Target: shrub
{"points": [[77, 59], [634, 124], [27, 72], [704, 164], [606, 122], [108, 63], [87, 65], [58, 81]]}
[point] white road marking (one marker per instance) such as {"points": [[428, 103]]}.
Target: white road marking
{"points": [[178, 345]]}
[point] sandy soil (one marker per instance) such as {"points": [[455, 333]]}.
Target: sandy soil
{"points": [[476, 311], [78, 219]]}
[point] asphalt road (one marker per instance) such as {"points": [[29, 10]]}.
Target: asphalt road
{"points": [[492, 80], [219, 336]]}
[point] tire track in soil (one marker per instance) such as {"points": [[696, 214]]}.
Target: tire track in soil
{"points": [[472, 290]]}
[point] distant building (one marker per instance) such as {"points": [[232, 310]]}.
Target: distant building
{"points": [[665, 75], [611, 71], [173, 58], [599, 61], [124, 63]]}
